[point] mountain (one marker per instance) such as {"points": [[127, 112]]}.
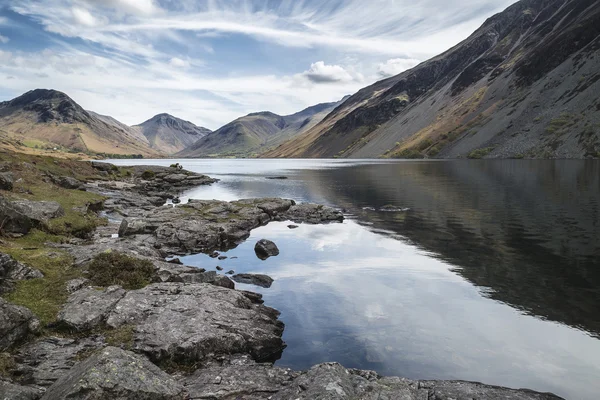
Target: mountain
{"points": [[49, 119], [169, 134], [257, 132], [525, 84]]}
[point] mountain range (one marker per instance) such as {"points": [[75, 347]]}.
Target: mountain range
{"points": [[523, 85]]}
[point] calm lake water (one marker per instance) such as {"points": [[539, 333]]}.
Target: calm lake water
{"points": [[492, 274]]}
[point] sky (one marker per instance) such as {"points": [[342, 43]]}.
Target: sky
{"points": [[211, 61]]}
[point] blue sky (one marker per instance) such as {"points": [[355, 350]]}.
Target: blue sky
{"points": [[211, 61]]}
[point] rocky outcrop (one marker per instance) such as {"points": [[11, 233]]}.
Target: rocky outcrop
{"points": [[23, 215], [12, 271], [67, 182], [88, 308], [6, 181], [115, 374], [254, 279], [12, 391], [265, 248], [16, 323]]}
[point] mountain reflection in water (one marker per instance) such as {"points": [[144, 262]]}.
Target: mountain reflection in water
{"points": [[492, 274]]}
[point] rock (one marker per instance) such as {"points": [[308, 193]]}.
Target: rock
{"points": [[221, 258], [214, 254], [95, 206], [277, 177], [6, 181], [238, 378], [16, 323], [254, 279], [115, 374], [331, 381], [13, 219], [312, 214], [12, 391], [293, 226], [102, 166], [156, 201], [174, 178], [67, 182], [190, 322], [12, 271], [43, 362], [230, 272], [39, 211], [210, 277], [76, 284], [135, 226], [89, 307], [175, 260], [176, 200], [265, 248], [219, 268], [391, 208]]}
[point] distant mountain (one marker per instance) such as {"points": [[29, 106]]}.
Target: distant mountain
{"points": [[524, 85], [169, 134], [257, 132], [45, 119]]}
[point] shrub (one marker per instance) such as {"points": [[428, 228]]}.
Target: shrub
{"points": [[148, 175], [480, 153], [177, 166], [114, 268]]}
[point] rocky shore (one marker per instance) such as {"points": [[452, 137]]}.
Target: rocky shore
{"points": [[127, 324]]}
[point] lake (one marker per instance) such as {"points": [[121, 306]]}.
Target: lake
{"points": [[491, 271]]}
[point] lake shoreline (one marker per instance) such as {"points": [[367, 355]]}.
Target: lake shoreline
{"points": [[187, 329]]}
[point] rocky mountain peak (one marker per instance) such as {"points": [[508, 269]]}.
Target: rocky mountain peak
{"points": [[50, 105]]}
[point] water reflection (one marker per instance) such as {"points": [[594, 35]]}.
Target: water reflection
{"points": [[492, 275]]}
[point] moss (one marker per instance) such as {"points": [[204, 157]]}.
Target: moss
{"points": [[75, 224], [7, 365], [480, 153], [114, 268], [120, 337], [148, 175]]}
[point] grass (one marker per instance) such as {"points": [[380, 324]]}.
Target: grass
{"points": [[480, 153], [409, 154], [120, 337], [558, 125], [44, 296], [7, 365], [114, 268]]}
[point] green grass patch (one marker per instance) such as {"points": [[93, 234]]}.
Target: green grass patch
{"points": [[480, 153], [559, 125], [120, 337], [409, 154], [114, 268]]}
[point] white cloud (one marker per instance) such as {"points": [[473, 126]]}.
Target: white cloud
{"points": [[179, 63], [4, 39], [143, 7], [320, 72], [395, 66], [83, 17]]}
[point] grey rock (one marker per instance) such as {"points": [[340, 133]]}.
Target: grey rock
{"points": [[16, 323], [293, 226], [277, 177], [67, 182], [13, 219], [221, 258], [6, 181], [89, 307], [115, 374], [219, 268], [254, 279], [238, 378], [210, 277], [173, 178], [39, 211], [102, 166], [446, 390], [130, 227], [76, 284], [12, 391], [12, 271], [191, 322], [43, 362], [312, 214], [230, 272], [265, 248]]}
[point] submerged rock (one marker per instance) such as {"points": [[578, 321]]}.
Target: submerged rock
{"points": [[265, 248], [16, 322], [115, 374], [254, 279]]}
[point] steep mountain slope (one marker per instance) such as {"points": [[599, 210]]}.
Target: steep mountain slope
{"points": [[50, 119], [525, 84], [169, 134], [257, 132]]}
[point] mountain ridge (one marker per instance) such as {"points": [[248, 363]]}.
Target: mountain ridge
{"points": [[170, 134]]}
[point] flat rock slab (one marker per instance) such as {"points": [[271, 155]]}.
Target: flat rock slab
{"points": [[254, 279], [115, 374], [239, 378], [331, 381], [16, 323], [88, 308], [191, 322]]}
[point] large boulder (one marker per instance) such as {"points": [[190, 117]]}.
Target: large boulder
{"points": [[12, 391], [115, 374], [88, 308], [254, 279], [265, 248], [39, 211], [191, 322], [6, 181], [11, 271], [13, 220], [16, 323], [43, 362], [67, 182], [238, 378]]}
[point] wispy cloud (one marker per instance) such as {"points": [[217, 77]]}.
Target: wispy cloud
{"points": [[212, 61]]}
